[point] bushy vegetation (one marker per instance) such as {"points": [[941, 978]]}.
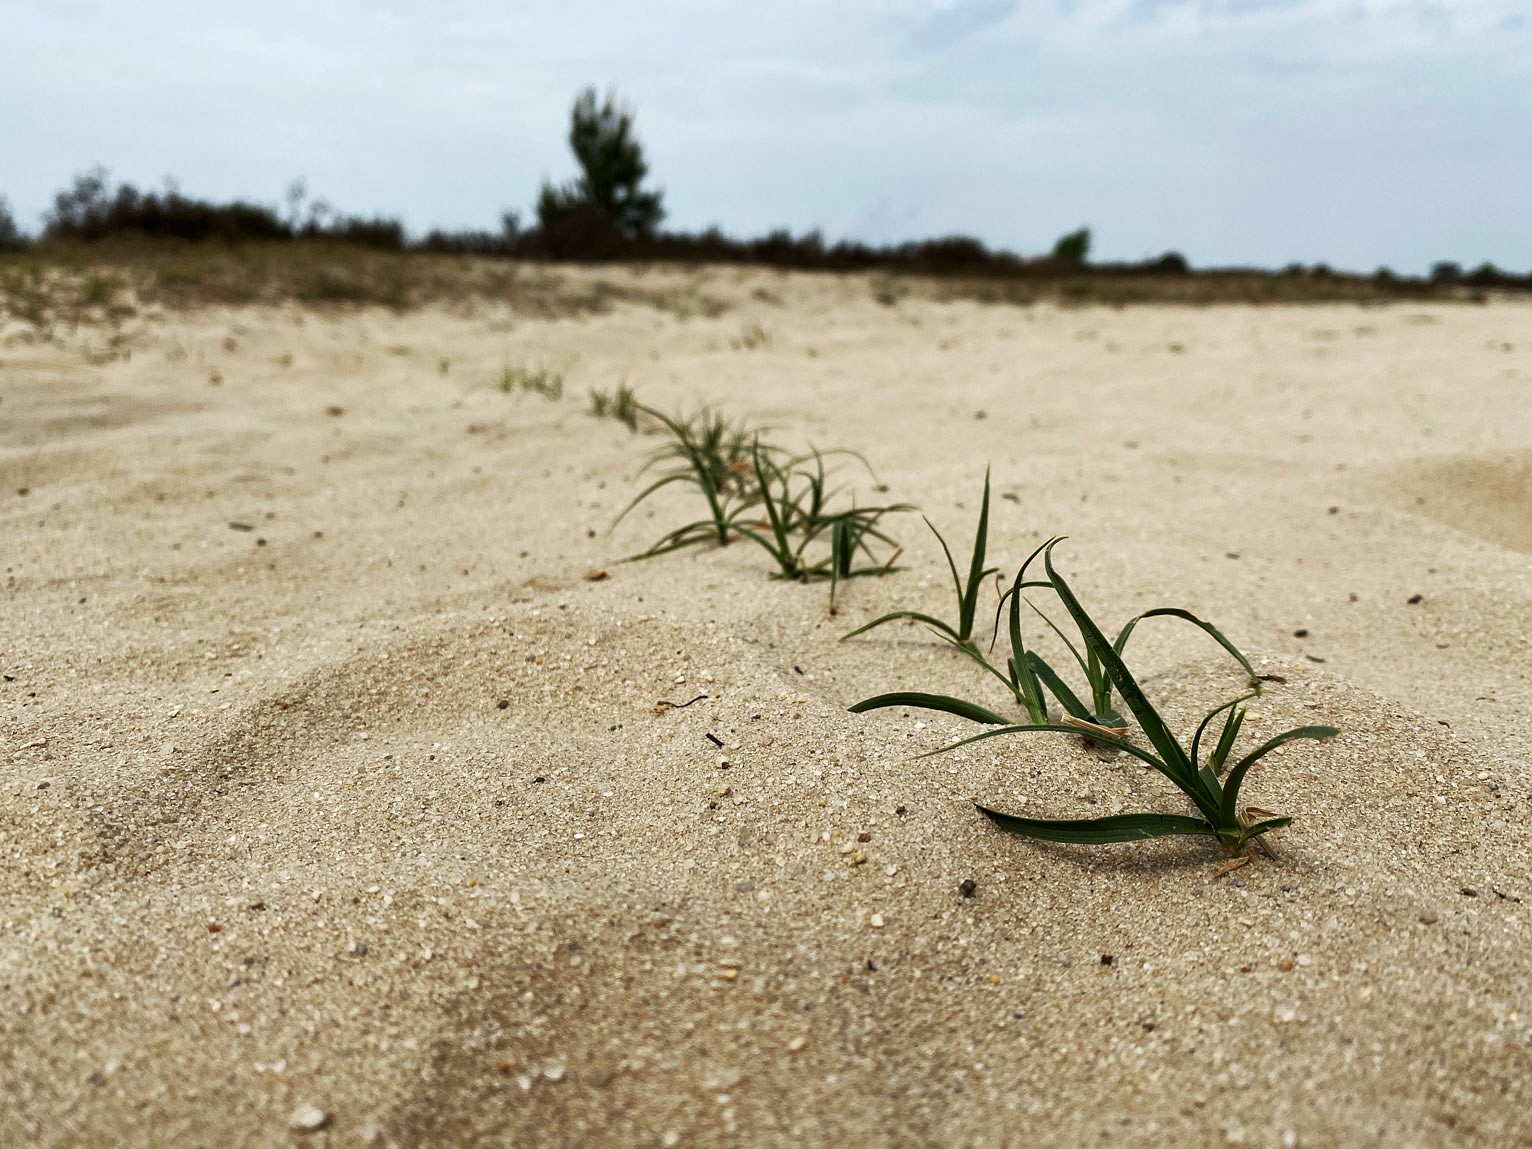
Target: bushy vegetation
{"points": [[1074, 248], [11, 237], [93, 209], [608, 213]]}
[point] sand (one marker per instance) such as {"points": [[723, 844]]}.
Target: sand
{"points": [[334, 795]]}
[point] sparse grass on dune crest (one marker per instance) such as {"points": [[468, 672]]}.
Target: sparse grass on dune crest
{"points": [[60, 283], [56, 282]]}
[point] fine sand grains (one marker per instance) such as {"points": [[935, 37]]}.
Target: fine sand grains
{"points": [[338, 806]]}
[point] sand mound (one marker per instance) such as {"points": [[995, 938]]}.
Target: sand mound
{"points": [[340, 804]]}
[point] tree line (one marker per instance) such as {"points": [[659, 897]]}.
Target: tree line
{"points": [[607, 212]]}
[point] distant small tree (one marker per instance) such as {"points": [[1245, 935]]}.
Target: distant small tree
{"points": [[11, 236], [81, 210], [1073, 248], [612, 169]]}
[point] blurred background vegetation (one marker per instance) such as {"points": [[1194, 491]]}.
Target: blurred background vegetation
{"points": [[106, 245]]}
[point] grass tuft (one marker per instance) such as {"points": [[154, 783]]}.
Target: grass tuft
{"points": [[756, 490], [1208, 780], [621, 404], [539, 380], [961, 633]]}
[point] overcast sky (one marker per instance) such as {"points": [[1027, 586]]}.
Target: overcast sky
{"points": [[1354, 132]]}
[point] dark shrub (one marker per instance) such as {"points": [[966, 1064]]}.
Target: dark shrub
{"points": [[1171, 263], [584, 232], [1073, 248], [11, 236]]}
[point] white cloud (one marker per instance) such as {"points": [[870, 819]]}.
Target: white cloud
{"points": [[1355, 131]]}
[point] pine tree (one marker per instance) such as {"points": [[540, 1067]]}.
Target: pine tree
{"points": [[612, 165]]}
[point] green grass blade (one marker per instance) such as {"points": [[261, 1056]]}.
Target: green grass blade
{"points": [[1068, 699], [1226, 809], [969, 596], [1231, 727], [646, 492], [913, 615], [1175, 763], [1064, 638], [946, 550], [1208, 721], [699, 533], [1028, 691], [780, 548], [1092, 735], [1213, 632], [1098, 831], [969, 710]]}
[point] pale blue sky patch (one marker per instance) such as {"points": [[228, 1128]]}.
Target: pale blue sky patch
{"points": [[1355, 132]]}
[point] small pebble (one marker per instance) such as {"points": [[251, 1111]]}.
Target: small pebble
{"points": [[876, 921], [308, 1119], [967, 887], [554, 1072]]}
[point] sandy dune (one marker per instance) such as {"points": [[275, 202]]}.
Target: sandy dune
{"points": [[330, 780]]}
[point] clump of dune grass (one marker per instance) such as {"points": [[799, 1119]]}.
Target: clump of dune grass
{"points": [[795, 494], [752, 337], [785, 502], [1027, 675], [1208, 780], [538, 380], [711, 453], [620, 404]]}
